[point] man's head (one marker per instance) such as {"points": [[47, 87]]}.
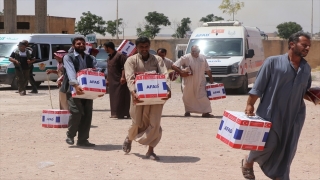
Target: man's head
{"points": [[195, 50], [143, 46], [79, 44], [162, 52], [22, 46], [299, 43], [58, 55], [109, 47]]}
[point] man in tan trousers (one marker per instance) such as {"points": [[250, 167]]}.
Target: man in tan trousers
{"points": [[145, 127], [195, 99]]}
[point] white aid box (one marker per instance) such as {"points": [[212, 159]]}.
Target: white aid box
{"points": [[93, 84], [88, 48], [55, 118], [127, 47], [151, 88], [215, 91], [242, 132]]}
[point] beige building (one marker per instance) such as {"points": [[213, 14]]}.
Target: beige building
{"points": [[27, 24]]}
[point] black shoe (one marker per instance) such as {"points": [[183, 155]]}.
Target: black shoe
{"points": [[22, 93], [34, 91], [70, 141], [187, 114], [85, 143]]}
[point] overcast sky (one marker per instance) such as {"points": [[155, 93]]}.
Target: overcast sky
{"points": [[265, 14]]}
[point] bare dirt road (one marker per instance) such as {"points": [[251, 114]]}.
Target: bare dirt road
{"points": [[188, 148]]}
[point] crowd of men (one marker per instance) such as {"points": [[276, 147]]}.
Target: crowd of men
{"points": [[281, 85]]}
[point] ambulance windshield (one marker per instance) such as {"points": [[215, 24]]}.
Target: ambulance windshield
{"points": [[7, 48], [218, 46]]}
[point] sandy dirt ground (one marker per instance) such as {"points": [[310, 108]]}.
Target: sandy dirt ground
{"points": [[188, 148]]}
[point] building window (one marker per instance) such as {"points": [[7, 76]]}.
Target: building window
{"points": [[23, 25], [1, 25], [64, 32]]}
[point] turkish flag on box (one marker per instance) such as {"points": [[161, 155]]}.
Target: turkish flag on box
{"points": [[55, 118], [93, 84], [151, 88], [242, 132], [215, 91], [127, 48]]}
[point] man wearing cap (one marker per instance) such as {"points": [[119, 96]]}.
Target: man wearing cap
{"points": [[21, 58], [118, 89], [58, 55]]}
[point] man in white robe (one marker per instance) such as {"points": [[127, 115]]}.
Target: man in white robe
{"points": [[192, 68]]}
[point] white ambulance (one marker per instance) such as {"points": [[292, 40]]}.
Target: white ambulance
{"points": [[234, 52], [43, 45]]}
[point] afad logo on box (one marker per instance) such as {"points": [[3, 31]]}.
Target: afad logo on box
{"points": [[50, 119], [94, 82], [215, 92], [152, 86], [228, 129]]}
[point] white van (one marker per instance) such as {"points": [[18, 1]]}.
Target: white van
{"points": [[234, 52], [43, 45]]}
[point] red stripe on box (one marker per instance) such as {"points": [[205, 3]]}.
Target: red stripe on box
{"points": [[232, 117], [218, 136], [162, 95], [226, 114], [57, 126], [268, 125], [64, 126], [45, 125], [151, 95], [50, 126], [256, 124], [249, 147], [225, 140], [260, 148], [150, 77], [236, 146], [122, 45]]}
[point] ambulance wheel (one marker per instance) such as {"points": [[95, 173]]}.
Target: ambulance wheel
{"points": [[244, 88], [14, 84]]}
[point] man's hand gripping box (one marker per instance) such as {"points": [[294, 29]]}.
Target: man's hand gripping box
{"points": [[93, 84], [215, 91], [127, 48], [151, 88], [55, 118], [242, 132]]}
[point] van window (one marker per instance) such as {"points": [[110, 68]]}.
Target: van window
{"points": [[45, 51], [57, 47], [35, 51], [218, 46]]}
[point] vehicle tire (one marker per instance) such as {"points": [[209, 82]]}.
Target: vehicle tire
{"points": [[14, 84], [244, 88]]}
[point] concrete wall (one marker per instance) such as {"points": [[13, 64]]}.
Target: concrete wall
{"points": [[41, 16], [271, 48], [10, 13], [54, 24]]}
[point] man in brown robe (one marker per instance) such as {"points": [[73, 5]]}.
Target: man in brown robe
{"points": [[118, 90], [195, 98], [145, 127]]}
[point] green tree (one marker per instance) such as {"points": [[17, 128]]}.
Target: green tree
{"points": [[287, 28], [211, 18], [112, 27], [90, 23], [153, 21], [183, 27], [231, 8]]}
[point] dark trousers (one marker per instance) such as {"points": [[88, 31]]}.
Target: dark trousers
{"points": [[32, 81], [22, 79], [80, 118]]}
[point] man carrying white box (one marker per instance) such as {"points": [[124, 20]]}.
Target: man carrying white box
{"points": [[281, 84], [80, 109], [145, 127]]}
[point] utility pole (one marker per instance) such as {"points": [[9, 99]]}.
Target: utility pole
{"points": [[117, 22], [311, 19]]}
